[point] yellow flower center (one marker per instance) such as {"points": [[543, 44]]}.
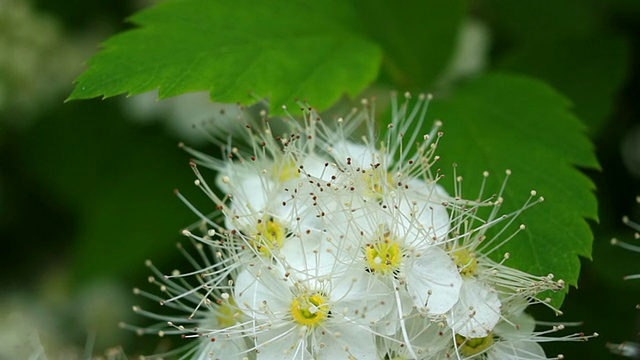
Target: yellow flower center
{"points": [[384, 256], [286, 170], [270, 234], [466, 262], [227, 313], [473, 346], [310, 310], [397, 357], [375, 181]]}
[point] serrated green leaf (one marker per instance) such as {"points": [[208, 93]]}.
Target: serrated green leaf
{"points": [[279, 50], [498, 122]]}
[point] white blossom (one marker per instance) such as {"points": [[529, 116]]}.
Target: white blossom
{"points": [[311, 306], [321, 246]]}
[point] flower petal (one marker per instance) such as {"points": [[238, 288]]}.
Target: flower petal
{"points": [[433, 280], [477, 312], [422, 215], [360, 297], [260, 294], [525, 326], [347, 341], [221, 349], [361, 155], [310, 256], [516, 350], [285, 343]]}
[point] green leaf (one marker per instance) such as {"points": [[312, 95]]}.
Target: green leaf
{"points": [[279, 50], [418, 37], [498, 122], [590, 71]]}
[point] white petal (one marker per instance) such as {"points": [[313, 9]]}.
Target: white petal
{"points": [[360, 297], [261, 294], [477, 312], [427, 337], [390, 323], [310, 256], [245, 184], [221, 349], [516, 350], [423, 222], [287, 343], [249, 197], [346, 341], [255, 196], [525, 326], [422, 217], [318, 167], [361, 155], [433, 280]]}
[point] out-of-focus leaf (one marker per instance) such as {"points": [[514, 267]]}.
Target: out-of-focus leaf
{"points": [[565, 44], [418, 38], [498, 122]]}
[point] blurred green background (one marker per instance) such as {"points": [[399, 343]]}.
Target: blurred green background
{"points": [[86, 187]]}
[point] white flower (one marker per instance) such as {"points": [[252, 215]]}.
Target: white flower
{"points": [[488, 286], [387, 214], [311, 305], [477, 311], [378, 240], [428, 339], [260, 197], [321, 247], [513, 338], [200, 301]]}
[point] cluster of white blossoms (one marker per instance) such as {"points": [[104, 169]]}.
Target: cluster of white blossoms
{"points": [[326, 247]]}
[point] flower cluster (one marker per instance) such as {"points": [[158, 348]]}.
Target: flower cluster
{"points": [[322, 247]]}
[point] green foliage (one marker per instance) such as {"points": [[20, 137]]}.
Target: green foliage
{"points": [[84, 193], [321, 50], [279, 50], [418, 37], [498, 122], [317, 51]]}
